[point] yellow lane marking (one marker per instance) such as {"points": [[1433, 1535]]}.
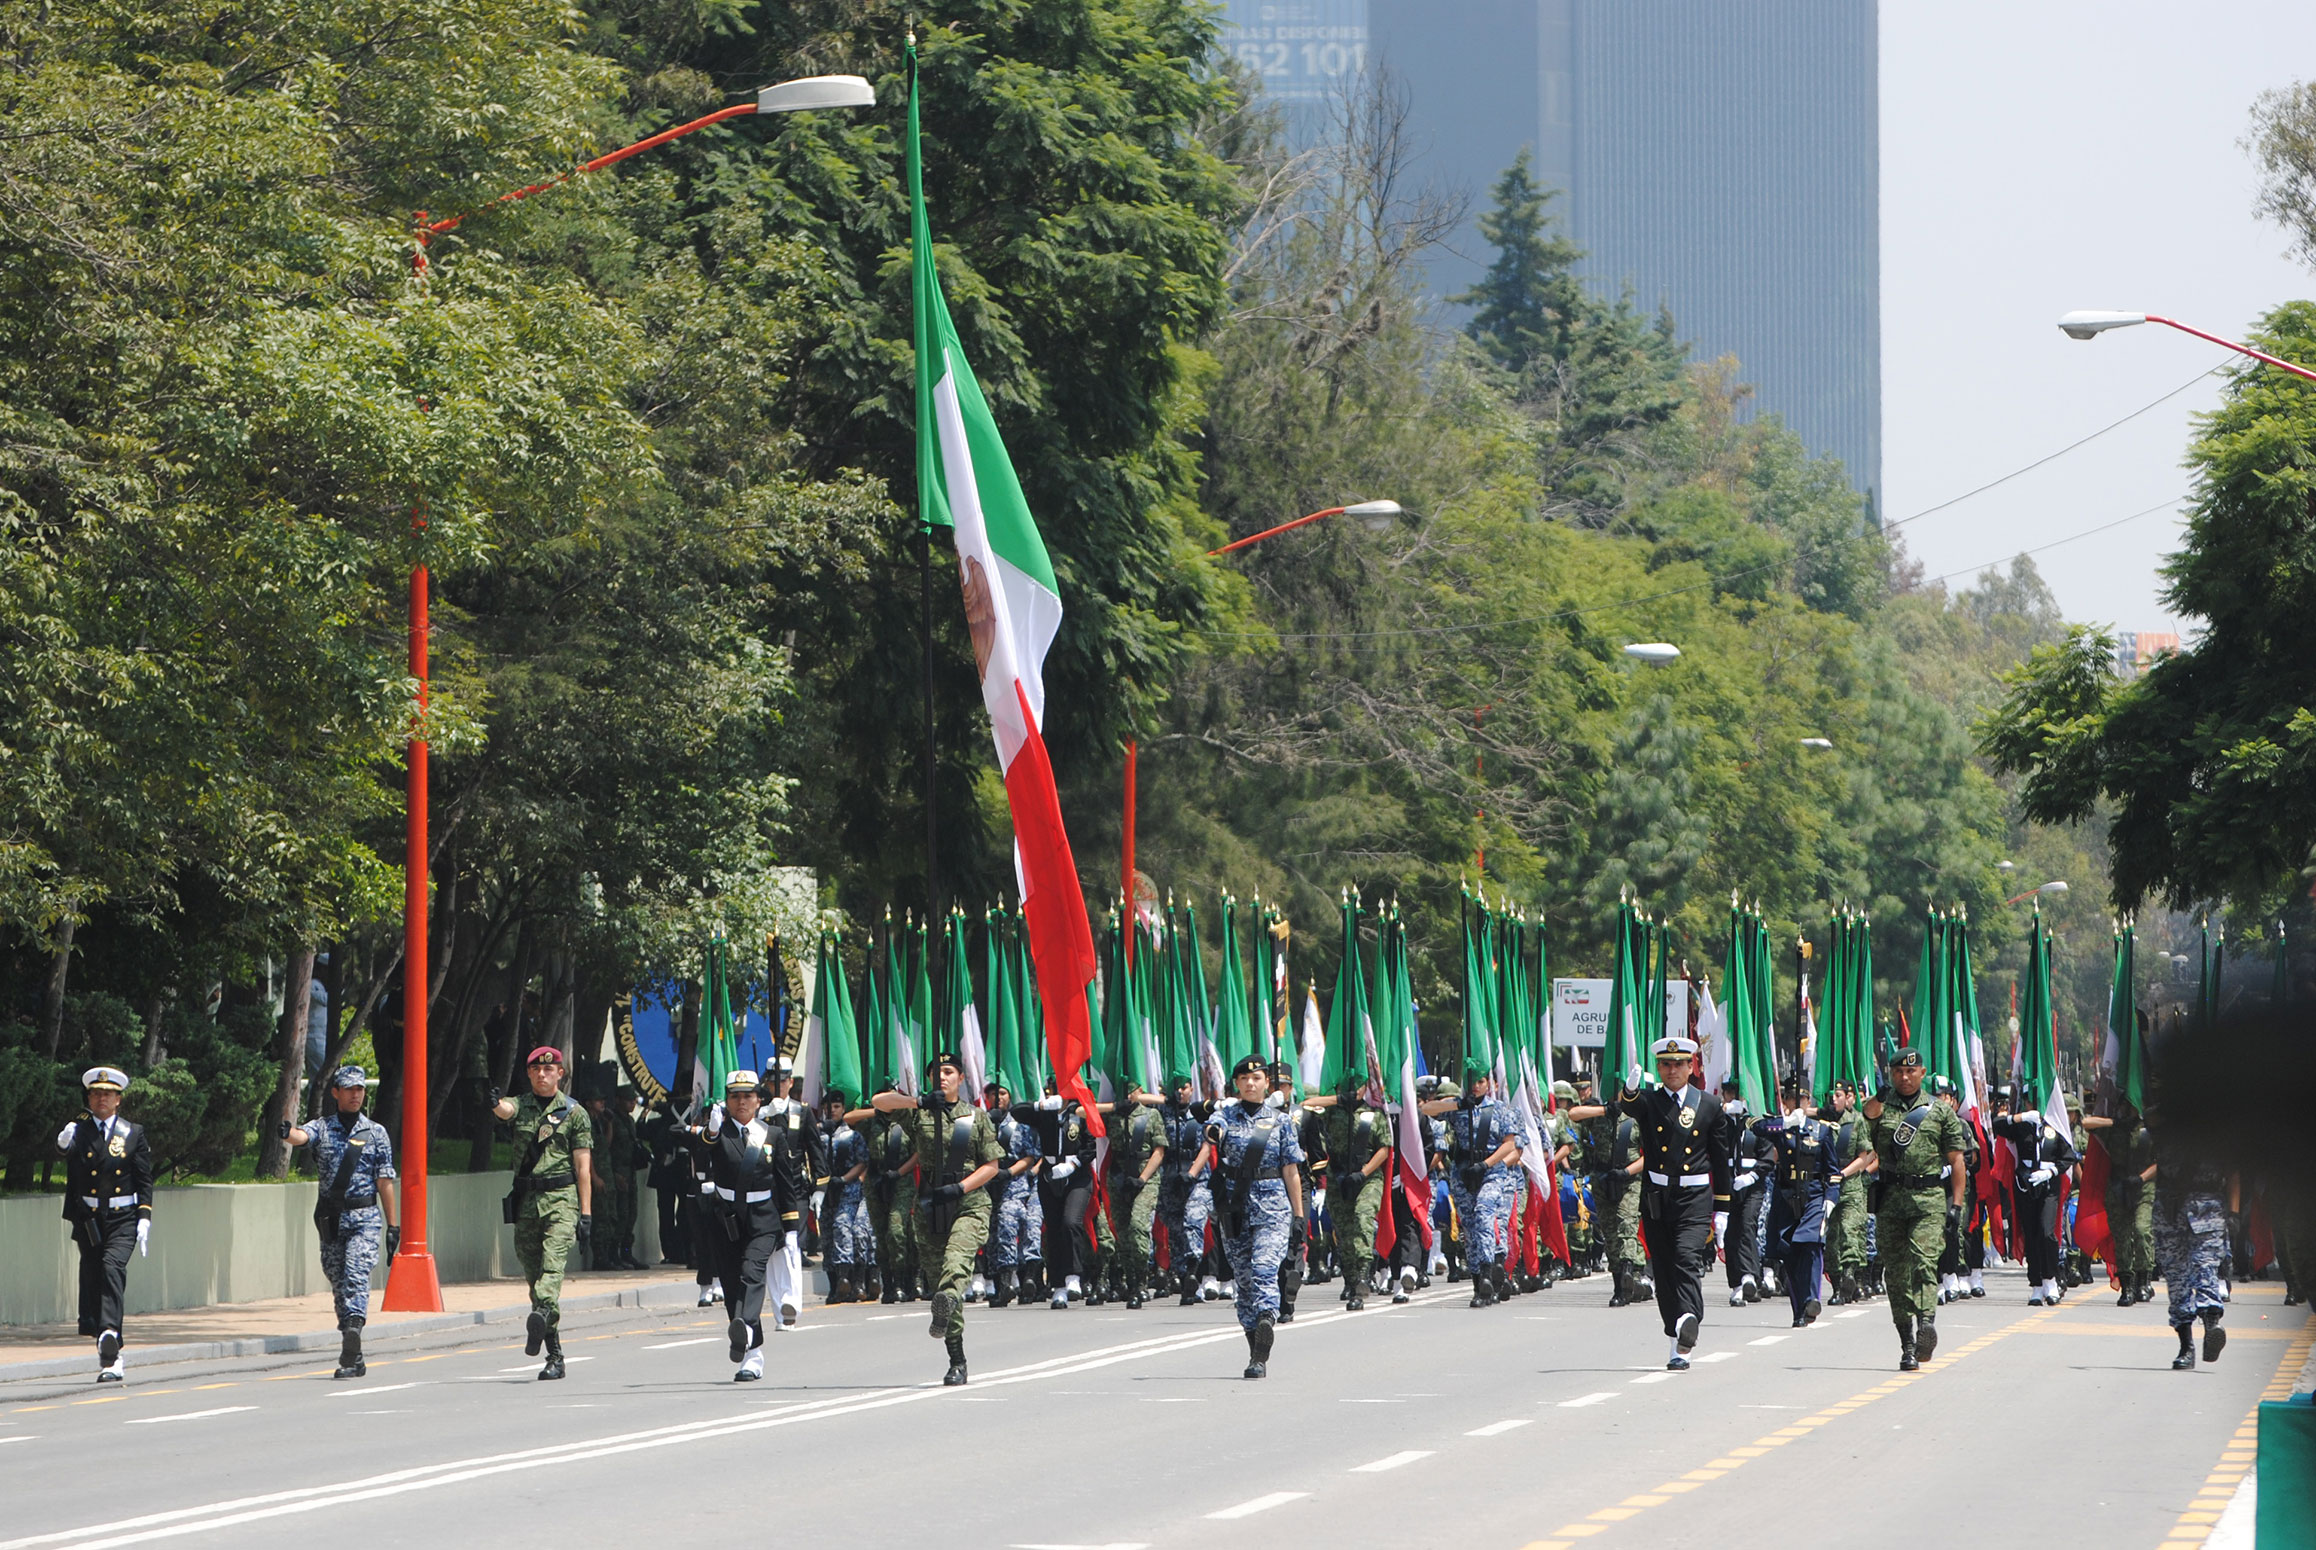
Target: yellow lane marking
{"points": [[2218, 1489]]}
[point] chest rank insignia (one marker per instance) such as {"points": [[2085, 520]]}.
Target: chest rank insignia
{"points": [[1688, 1119], [120, 1146]]}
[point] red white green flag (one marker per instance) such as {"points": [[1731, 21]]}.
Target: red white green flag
{"points": [[966, 482]]}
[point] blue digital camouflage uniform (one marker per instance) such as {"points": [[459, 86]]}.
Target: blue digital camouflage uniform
{"points": [[852, 1237], [2191, 1231], [1256, 1240], [1485, 1212], [350, 1259], [1184, 1203], [1019, 1237]]}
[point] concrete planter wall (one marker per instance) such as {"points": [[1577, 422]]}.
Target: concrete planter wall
{"points": [[216, 1243]]}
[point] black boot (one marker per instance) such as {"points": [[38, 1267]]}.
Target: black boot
{"points": [[2186, 1357], [1483, 1287], [1907, 1360], [839, 1284], [554, 1367], [350, 1363], [1002, 1292], [1258, 1347], [955, 1377], [1926, 1337], [1188, 1283], [2215, 1339], [892, 1291], [534, 1333], [1622, 1296]]}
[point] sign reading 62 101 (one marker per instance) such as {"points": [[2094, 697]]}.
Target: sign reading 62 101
{"points": [[1301, 49]]}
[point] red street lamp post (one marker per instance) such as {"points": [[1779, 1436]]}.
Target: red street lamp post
{"points": [[1375, 516], [2090, 325], [414, 1285]]}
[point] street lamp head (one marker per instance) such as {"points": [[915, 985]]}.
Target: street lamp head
{"points": [[2052, 888], [1817, 742], [816, 91], [1375, 516], [1654, 651], [2006, 866], [2089, 325]]}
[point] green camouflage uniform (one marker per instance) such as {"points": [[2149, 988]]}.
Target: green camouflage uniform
{"points": [[949, 1237], [1604, 1156], [2130, 1203], [1132, 1141], [1910, 1227], [1847, 1237], [1353, 1203], [547, 1220], [893, 1193]]}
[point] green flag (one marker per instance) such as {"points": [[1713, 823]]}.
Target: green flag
{"points": [[1347, 1009], [830, 1033], [2123, 1024]]}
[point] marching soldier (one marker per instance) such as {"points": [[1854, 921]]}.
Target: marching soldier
{"points": [[848, 1237], [2191, 1237], [615, 1216], [1017, 1246], [2130, 1203], [1183, 1200], [1481, 1143], [1357, 1139], [1807, 1185], [892, 1199], [754, 1208], [1137, 1153], [1294, 1269], [1258, 1189], [108, 1199], [1916, 1151], [670, 1178], [1846, 1235], [552, 1204], [1750, 1156], [798, 1159], [955, 1151], [2045, 1153], [1685, 1172], [360, 1207], [1609, 1149]]}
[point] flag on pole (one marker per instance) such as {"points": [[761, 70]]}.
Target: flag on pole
{"points": [[966, 482], [1312, 1058], [831, 1031]]}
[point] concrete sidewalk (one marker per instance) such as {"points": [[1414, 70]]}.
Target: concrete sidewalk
{"points": [[309, 1323]]}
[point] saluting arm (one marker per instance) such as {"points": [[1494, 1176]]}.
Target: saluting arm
{"points": [[892, 1103]]}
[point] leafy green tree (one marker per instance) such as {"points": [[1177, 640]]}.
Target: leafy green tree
{"points": [[2207, 759]]}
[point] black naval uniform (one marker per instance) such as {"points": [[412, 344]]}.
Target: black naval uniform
{"points": [[1684, 1180], [108, 1190], [1751, 1160], [750, 1210]]}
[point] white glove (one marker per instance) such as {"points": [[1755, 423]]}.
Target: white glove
{"points": [[2028, 1117], [1744, 1181], [1064, 1168], [715, 1124], [1721, 1224], [64, 1136], [1275, 1101], [144, 1233], [1051, 1105], [2043, 1175], [794, 1242], [1636, 1078]]}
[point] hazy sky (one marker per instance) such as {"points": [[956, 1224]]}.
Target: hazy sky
{"points": [[2043, 155]]}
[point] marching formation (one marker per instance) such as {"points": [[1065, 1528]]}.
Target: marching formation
{"points": [[1150, 1172]]}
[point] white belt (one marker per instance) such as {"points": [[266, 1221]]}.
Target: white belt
{"points": [[1686, 1180], [753, 1195], [116, 1203]]}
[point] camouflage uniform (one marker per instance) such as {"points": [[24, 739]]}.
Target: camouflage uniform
{"points": [[2130, 1205], [1133, 1139], [948, 1234], [893, 1198], [547, 1219], [2191, 1234], [1606, 1146], [1351, 1133], [1846, 1237], [1020, 1235], [852, 1237], [1482, 1194], [350, 1254], [1912, 1138], [615, 1189], [1259, 1143]]}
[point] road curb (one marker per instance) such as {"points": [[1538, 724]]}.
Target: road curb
{"points": [[658, 1294]]}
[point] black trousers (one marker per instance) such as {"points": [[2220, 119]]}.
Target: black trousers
{"points": [[2038, 1211], [1677, 1233], [1066, 1205], [1742, 1248], [1804, 1270], [104, 1268], [744, 1262], [671, 1233]]}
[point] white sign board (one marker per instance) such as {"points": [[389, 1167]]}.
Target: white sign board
{"points": [[1580, 1011]]}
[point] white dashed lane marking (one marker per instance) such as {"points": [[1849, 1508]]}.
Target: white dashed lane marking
{"points": [[1498, 1429], [1581, 1400], [1259, 1504], [1391, 1462], [189, 1415]]}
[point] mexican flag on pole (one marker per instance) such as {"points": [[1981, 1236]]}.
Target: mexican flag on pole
{"points": [[1393, 1041], [717, 1054], [830, 1030], [966, 482], [2038, 1033], [1628, 1048], [1347, 1038], [2129, 1060]]}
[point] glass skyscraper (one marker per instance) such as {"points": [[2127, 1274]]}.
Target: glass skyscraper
{"points": [[1720, 157]]}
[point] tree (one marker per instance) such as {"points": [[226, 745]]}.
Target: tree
{"points": [[2283, 142], [2208, 758]]}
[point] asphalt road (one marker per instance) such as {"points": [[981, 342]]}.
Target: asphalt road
{"points": [[1549, 1421]]}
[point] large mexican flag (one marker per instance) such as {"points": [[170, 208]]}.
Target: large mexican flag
{"points": [[965, 482]]}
